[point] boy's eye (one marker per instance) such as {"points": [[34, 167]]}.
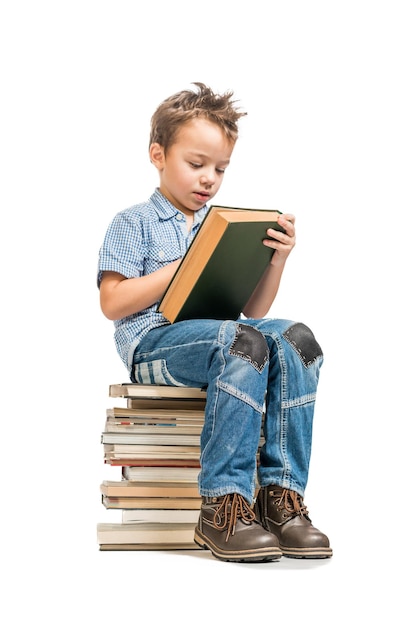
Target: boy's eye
{"points": [[196, 166]]}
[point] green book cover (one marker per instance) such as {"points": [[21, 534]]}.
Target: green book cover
{"points": [[231, 272]]}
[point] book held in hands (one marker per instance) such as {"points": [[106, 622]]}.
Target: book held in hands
{"points": [[222, 265]]}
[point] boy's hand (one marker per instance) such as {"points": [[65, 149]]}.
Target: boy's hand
{"points": [[283, 243]]}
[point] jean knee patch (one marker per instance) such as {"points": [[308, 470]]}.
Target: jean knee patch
{"points": [[302, 339], [249, 344]]}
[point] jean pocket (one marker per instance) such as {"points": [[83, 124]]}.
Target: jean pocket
{"points": [[154, 373]]}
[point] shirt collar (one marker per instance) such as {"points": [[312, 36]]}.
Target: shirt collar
{"points": [[166, 210]]}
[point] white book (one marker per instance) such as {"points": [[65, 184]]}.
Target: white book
{"points": [[135, 390], [163, 437], [169, 516], [148, 532], [161, 474]]}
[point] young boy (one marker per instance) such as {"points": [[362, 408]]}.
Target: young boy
{"points": [[249, 365]]}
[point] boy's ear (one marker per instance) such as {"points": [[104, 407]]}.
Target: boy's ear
{"points": [[156, 155]]}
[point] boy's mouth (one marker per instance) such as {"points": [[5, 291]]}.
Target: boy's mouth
{"points": [[202, 195]]}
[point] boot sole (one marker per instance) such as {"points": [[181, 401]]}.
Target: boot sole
{"points": [[307, 553], [240, 556]]}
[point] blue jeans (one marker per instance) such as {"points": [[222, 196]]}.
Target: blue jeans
{"points": [[247, 367]]}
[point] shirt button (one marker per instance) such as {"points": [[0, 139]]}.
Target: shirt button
{"points": [[179, 217], [161, 254]]}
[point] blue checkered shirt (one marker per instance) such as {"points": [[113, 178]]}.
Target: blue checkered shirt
{"points": [[139, 241]]}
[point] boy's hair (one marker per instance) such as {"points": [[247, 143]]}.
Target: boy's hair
{"points": [[185, 105]]}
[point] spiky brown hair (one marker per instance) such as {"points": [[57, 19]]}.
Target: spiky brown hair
{"points": [[185, 105]]}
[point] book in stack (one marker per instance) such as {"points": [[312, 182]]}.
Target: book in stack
{"points": [[153, 444]]}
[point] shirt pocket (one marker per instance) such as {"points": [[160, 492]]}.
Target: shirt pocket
{"points": [[158, 255]]}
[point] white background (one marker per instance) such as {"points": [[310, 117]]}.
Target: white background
{"points": [[331, 136]]}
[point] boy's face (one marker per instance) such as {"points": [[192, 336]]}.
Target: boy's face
{"points": [[192, 169]]}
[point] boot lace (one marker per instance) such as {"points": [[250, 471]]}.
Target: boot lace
{"points": [[291, 502], [232, 508]]}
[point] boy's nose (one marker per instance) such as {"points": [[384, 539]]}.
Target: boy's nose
{"points": [[207, 179]]}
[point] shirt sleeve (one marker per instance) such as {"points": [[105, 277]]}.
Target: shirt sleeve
{"points": [[121, 250]]}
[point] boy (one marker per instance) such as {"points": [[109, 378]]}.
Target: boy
{"points": [[246, 365]]}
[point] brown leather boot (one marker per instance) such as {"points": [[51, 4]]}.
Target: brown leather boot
{"points": [[283, 513], [228, 528]]}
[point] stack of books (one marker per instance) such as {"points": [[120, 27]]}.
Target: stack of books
{"points": [[154, 444]]}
